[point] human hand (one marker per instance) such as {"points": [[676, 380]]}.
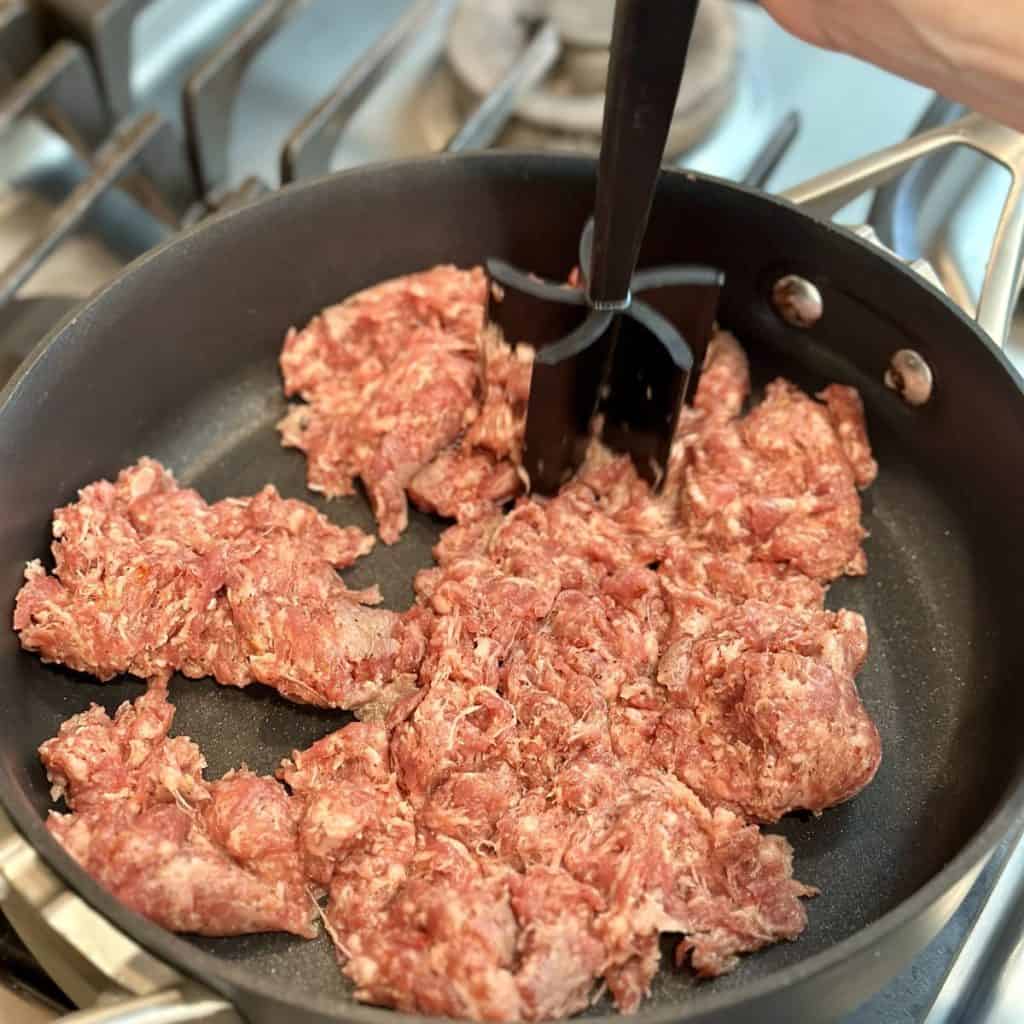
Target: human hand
{"points": [[970, 53]]}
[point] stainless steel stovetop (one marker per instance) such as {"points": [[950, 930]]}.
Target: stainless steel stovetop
{"points": [[309, 86]]}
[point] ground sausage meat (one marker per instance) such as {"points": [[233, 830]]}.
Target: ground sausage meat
{"points": [[569, 742], [389, 378], [404, 388], [150, 579], [216, 858], [780, 484], [764, 713]]}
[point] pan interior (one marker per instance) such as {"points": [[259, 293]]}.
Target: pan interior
{"points": [[938, 599]]}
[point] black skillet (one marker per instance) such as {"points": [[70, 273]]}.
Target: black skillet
{"points": [[177, 359]]}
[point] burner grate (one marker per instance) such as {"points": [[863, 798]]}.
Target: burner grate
{"points": [[104, 27], [308, 150], [58, 84], [70, 63], [209, 95]]}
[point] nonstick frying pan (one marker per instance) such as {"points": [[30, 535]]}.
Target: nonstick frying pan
{"points": [[177, 359]]}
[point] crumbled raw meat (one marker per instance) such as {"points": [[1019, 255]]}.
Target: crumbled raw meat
{"points": [[404, 388], [149, 579], [164, 866], [669, 864], [567, 743], [467, 537], [779, 485], [216, 858], [560, 948], [615, 685], [765, 714], [129, 759], [444, 944], [690, 569], [347, 791], [120, 599], [724, 384], [459, 479], [847, 413], [389, 378], [501, 422], [481, 897], [482, 470], [321, 645]]}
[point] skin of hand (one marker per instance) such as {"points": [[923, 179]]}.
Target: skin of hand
{"points": [[970, 52]]}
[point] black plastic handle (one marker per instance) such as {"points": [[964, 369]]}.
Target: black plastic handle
{"points": [[649, 43]]}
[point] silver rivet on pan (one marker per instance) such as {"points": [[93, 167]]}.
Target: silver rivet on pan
{"points": [[797, 301], [910, 376]]}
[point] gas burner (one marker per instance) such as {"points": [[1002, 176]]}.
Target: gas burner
{"points": [[487, 38]]}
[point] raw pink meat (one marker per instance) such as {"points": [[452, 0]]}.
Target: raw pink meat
{"points": [[149, 579], [216, 858], [568, 742], [389, 379], [779, 485], [404, 388]]}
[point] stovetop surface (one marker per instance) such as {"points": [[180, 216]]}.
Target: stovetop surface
{"points": [[777, 74]]}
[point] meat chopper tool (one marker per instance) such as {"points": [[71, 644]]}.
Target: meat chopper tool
{"points": [[624, 343]]}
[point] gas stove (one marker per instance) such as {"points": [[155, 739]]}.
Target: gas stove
{"points": [[125, 121]]}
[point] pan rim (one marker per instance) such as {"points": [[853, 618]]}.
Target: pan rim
{"points": [[229, 978]]}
